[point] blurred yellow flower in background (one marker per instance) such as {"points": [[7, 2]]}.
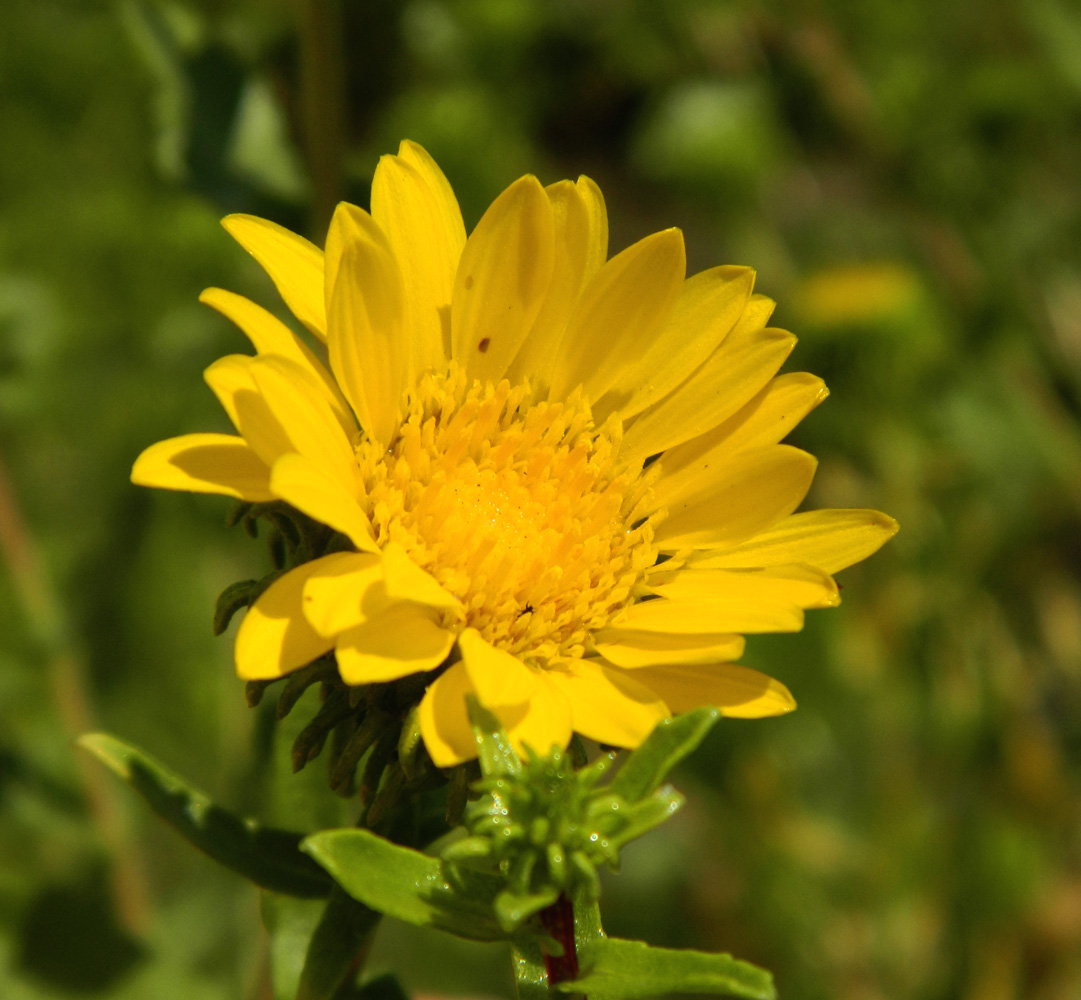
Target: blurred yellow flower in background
{"points": [[557, 473]]}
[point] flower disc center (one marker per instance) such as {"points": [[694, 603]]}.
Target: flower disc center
{"points": [[501, 512], [516, 507]]}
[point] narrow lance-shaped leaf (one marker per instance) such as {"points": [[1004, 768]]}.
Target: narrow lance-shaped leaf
{"points": [[671, 741], [408, 885], [632, 970], [268, 857]]}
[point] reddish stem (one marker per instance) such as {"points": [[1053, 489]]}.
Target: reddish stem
{"points": [[558, 921]]}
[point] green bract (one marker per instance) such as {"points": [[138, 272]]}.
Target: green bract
{"points": [[546, 828]]}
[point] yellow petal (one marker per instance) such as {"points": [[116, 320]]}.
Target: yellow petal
{"points": [[784, 402], [231, 380], [597, 245], [294, 397], [205, 463], [745, 495], [308, 486], [607, 705], [763, 421], [444, 718], [401, 639], [228, 376], [294, 265], [406, 581], [619, 314], [709, 305], [700, 617], [581, 242], [542, 722], [502, 280], [269, 335], [418, 157], [644, 649], [368, 352], [344, 591], [740, 693], [799, 585], [829, 539], [275, 638], [498, 677], [729, 378], [756, 314], [416, 208]]}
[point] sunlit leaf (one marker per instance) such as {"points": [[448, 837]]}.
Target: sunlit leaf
{"points": [[408, 885], [627, 970]]}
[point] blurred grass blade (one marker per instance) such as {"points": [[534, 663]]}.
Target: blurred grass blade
{"points": [[671, 741], [268, 857], [333, 955], [408, 885], [629, 970]]}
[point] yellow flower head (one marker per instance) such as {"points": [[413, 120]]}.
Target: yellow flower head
{"points": [[559, 473]]}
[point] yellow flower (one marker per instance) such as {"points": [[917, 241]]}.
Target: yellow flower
{"points": [[557, 472]]}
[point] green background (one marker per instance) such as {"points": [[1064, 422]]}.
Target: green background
{"points": [[905, 178]]}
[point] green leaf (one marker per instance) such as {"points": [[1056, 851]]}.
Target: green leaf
{"points": [[671, 741], [408, 885], [268, 857], [530, 975], [332, 954], [648, 813], [629, 970], [290, 924], [494, 749]]}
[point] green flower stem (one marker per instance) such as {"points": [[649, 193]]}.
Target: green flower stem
{"points": [[558, 921]]}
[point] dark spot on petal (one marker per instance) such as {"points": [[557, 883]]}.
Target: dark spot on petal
{"points": [[483, 345], [468, 283]]}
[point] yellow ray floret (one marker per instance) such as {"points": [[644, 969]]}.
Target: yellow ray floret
{"points": [[553, 481]]}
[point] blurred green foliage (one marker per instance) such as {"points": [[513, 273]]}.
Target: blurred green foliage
{"points": [[905, 177]]}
